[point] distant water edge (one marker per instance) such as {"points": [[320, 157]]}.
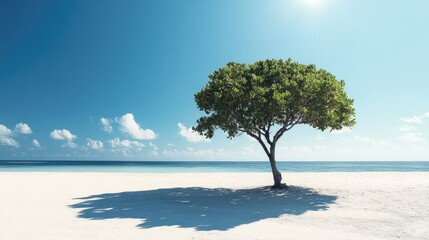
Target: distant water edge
{"points": [[211, 166]]}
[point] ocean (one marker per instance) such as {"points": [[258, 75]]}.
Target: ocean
{"points": [[211, 166]]}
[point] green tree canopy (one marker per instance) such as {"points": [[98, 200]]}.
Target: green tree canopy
{"points": [[252, 98]]}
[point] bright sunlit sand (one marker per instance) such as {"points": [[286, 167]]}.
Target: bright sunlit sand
{"points": [[213, 206]]}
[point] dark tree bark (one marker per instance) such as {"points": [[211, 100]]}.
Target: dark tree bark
{"points": [[277, 176], [271, 153], [276, 173]]}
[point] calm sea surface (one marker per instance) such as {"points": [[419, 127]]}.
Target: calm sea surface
{"points": [[209, 166]]}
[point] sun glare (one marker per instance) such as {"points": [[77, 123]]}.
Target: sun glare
{"points": [[313, 3]]}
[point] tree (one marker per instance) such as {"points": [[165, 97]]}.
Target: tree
{"points": [[267, 98]]}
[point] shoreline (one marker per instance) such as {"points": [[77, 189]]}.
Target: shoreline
{"points": [[211, 172], [100, 205], [212, 166]]}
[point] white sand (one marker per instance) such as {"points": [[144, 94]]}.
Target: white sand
{"points": [[46, 206]]}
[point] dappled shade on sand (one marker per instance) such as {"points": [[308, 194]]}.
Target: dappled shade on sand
{"points": [[202, 208]]}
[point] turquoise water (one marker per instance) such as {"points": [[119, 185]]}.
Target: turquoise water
{"points": [[210, 166]]}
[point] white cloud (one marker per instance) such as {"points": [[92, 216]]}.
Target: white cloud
{"points": [[154, 152], [8, 141], [320, 137], [128, 125], [70, 144], [251, 138], [63, 134], [406, 128], [153, 146], [36, 143], [416, 119], [94, 144], [126, 147], [412, 137], [376, 143], [413, 119], [107, 127], [341, 131], [191, 153], [409, 136], [190, 134], [250, 151], [23, 128], [4, 131], [5, 138], [127, 144], [350, 147]]}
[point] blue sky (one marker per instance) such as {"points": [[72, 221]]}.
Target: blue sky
{"points": [[65, 65]]}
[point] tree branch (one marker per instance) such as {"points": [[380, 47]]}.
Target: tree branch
{"points": [[293, 124], [267, 136], [289, 123], [267, 132], [258, 138], [279, 133]]}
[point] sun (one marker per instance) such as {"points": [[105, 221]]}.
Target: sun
{"points": [[314, 3]]}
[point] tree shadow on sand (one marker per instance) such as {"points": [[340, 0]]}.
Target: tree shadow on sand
{"points": [[202, 208]]}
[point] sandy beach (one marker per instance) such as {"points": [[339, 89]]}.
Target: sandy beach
{"points": [[213, 206]]}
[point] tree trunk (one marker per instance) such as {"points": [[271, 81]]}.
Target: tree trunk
{"points": [[276, 174], [271, 153]]}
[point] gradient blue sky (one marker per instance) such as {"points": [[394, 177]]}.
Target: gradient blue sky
{"points": [[64, 65]]}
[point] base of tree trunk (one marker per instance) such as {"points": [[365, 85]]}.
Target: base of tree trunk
{"points": [[280, 186], [277, 177]]}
